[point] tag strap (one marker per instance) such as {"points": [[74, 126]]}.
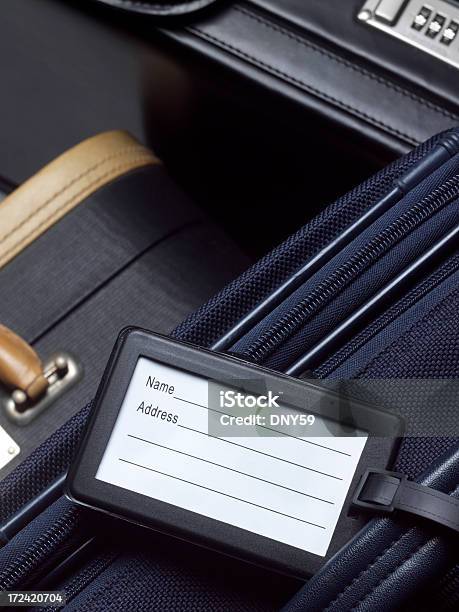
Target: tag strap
{"points": [[384, 491]]}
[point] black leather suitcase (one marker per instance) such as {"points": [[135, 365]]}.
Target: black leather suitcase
{"points": [[346, 61]]}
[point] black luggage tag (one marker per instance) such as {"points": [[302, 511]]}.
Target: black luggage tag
{"points": [[227, 454]]}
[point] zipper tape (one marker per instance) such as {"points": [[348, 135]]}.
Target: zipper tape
{"points": [[442, 152], [356, 264], [28, 512], [364, 311]]}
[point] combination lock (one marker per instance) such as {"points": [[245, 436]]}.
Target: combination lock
{"points": [[431, 26]]}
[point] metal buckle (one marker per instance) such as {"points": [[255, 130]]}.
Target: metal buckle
{"points": [[62, 372], [386, 508]]}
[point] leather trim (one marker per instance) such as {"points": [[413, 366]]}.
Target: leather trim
{"points": [[63, 184], [336, 22], [286, 59]]}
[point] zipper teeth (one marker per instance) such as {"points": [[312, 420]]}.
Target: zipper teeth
{"points": [[40, 549], [287, 325], [324, 370]]}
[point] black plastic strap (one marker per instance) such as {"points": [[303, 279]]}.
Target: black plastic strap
{"points": [[384, 491]]}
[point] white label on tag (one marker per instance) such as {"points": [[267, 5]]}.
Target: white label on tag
{"points": [[8, 448], [285, 488]]}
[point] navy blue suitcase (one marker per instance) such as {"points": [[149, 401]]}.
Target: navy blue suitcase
{"points": [[367, 292]]}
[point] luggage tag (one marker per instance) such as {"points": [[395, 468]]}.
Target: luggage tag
{"points": [[209, 448]]}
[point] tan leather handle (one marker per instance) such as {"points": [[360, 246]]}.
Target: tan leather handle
{"points": [[65, 183], [20, 366]]}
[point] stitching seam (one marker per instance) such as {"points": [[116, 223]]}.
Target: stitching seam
{"points": [[368, 567], [389, 573], [453, 502], [55, 213], [306, 87], [350, 65], [67, 186], [452, 523], [375, 560]]}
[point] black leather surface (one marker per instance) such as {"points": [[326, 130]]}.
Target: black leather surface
{"points": [[335, 21], [318, 55], [135, 253]]}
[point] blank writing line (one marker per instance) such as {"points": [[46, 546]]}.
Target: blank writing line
{"points": [[283, 433], [203, 433], [231, 469], [245, 501]]}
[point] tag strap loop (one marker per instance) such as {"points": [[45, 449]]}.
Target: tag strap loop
{"points": [[384, 491]]}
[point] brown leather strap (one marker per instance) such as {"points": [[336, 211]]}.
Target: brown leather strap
{"points": [[61, 185], [20, 366]]}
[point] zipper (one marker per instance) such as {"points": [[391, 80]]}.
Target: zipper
{"points": [[46, 545], [326, 368], [444, 150], [326, 290], [78, 582]]}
